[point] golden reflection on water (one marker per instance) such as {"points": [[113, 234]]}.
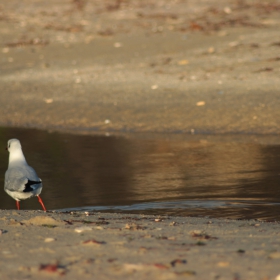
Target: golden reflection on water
{"points": [[183, 168]]}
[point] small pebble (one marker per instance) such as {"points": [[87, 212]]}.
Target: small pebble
{"points": [[223, 264], [81, 229], [200, 103], [5, 50], [117, 45], [49, 239], [183, 62], [227, 10], [48, 100], [99, 228]]}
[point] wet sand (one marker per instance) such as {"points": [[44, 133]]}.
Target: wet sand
{"points": [[37, 245], [139, 66]]}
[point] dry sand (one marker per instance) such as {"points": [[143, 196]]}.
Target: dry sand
{"points": [[153, 66], [166, 66], [37, 245]]}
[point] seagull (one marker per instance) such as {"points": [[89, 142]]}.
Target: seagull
{"points": [[21, 180]]}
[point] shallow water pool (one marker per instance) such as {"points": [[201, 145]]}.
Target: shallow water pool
{"points": [[216, 176]]}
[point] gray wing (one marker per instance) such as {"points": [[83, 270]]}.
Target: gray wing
{"points": [[21, 179]]}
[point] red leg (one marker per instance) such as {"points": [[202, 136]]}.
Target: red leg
{"points": [[41, 202], [17, 203]]}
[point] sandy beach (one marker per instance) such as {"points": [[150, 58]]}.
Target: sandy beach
{"points": [[139, 66], [38, 245], [132, 66]]}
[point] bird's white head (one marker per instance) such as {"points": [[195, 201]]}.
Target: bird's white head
{"points": [[16, 155], [13, 145]]}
